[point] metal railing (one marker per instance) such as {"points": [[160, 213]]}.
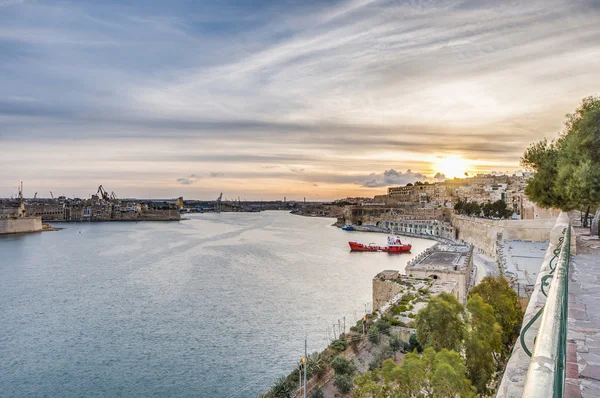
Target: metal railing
{"points": [[546, 373]]}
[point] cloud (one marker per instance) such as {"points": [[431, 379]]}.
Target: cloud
{"points": [[296, 170], [216, 174], [189, 180], [392, 177], [340, 88], [439, 177]]}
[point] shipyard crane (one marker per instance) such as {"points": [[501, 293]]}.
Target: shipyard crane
{"points": [[52, 196], [103, 194], [218, 204], [113, 196], [35, 196]]}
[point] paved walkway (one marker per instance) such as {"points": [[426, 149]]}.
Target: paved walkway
{"points": [[583, 349]]}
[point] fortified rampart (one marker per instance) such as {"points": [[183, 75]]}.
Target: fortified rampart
{"points": [[513, 380], [484, 234], [20, 225]]}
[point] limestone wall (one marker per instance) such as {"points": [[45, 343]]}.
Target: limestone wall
{"points": [[513, 379], [484, 234], [384, 291], [19, 225]]}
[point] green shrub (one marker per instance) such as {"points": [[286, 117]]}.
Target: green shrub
{"points": [[281, 389], [373, 334], [344, 383], [413, 343], [343, 366], [396, 344], [339, 345], [318, 393], [383, 325], [396, 322]]}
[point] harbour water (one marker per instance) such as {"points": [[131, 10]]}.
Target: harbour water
{"points": [[214, 306]]}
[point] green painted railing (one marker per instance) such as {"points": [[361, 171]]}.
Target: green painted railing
{"points": [[546, 373]]}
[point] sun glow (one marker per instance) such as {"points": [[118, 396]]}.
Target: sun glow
{"points": [[451, 166]]}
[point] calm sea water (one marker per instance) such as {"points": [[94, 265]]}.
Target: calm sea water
{"points": [[215, 306]]}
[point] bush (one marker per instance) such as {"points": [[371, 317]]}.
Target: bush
{"points": [[378, 357], [383, 325], [343, 366], [396, 322], [339, 345], [399, 308], [413, 343], [396, 344], [281, 389], [374, 334], [344, 383], [318, 393]]}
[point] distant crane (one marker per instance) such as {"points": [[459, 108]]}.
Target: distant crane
{"points": [[218, 204], [35, 196], [113, 196], [103, 194], [52, 196]]}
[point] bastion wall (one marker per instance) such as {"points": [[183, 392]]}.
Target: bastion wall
{"points": [[484, 234], [19, 225]]}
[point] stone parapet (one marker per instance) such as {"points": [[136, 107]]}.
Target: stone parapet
{"points": [[513, 380]]}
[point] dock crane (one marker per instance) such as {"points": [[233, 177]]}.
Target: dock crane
{"points": [[218, 204], [35, 196], [103, 194], [52, 196], [113, 196]]}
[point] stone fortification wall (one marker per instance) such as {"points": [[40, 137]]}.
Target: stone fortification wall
{"points": [[19, 225], [513, 380], [484, 234], [384, 291]]}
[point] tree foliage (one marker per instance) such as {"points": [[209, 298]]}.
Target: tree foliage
{"points": [[440, 324], [495, 209], [432, 374], [567, 170], [482, 340], [344, 383], [343, 366], [496, 292]]}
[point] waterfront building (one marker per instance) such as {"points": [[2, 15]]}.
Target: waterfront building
{"points": [[429, 227], [446, 262]]}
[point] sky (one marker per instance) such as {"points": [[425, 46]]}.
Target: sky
{"points": [[266, 99]]}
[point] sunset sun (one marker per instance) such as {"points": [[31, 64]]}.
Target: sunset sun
{"points": [[451, 166]]}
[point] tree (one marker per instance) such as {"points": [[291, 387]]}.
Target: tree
{"points": [[343, 366], [344, 383], [369, 385], [542, 159], [432, 374], [439, 324], [496, 292], [567, 170], [482, 341]]}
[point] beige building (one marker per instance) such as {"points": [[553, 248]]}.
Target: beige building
{"points": [[446, 263]]}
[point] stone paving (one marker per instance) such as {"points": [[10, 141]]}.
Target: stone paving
{"points": [[583, 347]]}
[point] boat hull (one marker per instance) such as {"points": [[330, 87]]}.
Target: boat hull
{"points": [[359, 247]]}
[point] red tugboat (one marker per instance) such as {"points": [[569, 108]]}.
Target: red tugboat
{"points": [[394, 245]]}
